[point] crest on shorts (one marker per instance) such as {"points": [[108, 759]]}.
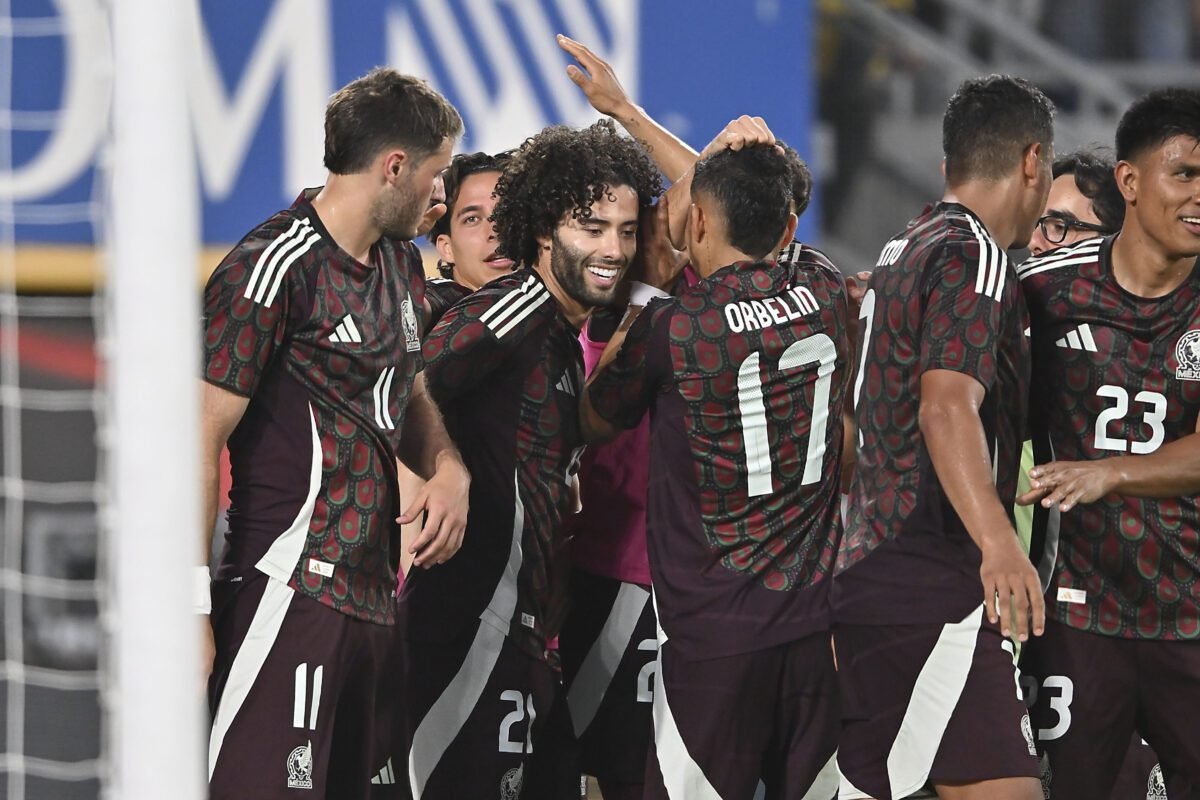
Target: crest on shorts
{"points": [[1156, 787], [299, 767], [412, 337], [510, 784], [1187, 353], [1027, 731], [1047, 775]]}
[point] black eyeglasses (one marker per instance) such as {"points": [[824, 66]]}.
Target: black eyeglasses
{"points": [[1055, 228]]}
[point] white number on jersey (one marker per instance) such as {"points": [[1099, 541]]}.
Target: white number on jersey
{"points": [[1153, 416], [819, 349], [645, 683], [1060, 703], [524, 707]]}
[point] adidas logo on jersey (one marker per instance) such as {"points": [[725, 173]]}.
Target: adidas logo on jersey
{"points": [[1079, 339], [386, 776], [346, 331], [565, 384]]}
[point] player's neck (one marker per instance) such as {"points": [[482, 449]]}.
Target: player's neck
{"points": [[1141, 267], [991, 204], [575, 312], [720, 258], [344, 209]]}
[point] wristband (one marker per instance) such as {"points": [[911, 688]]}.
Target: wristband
{"points": [[202, 599], [640, 294]]}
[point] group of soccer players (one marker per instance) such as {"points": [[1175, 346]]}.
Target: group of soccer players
{"points": [[619, 430]]}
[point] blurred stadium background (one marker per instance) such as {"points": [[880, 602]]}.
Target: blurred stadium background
{"points": [[857, 86]]}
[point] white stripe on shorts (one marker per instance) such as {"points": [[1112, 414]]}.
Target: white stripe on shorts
{"points": [[934, 698], [441, 725], [598, 667], [681, 775], [260, 638]]}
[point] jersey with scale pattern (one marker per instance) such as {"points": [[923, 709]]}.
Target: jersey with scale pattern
{"points": [[326, 350], [1114, 374]]}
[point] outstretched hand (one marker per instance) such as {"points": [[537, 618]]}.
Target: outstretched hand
{"points": [[595, 77], [1069, 483]]}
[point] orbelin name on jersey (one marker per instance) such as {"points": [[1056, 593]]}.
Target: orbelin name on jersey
{"points": [[779, 310]]}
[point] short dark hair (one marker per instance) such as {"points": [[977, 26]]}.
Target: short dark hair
{"points": [[564, 171], [1156, 117], [989, 123], [382, 109], [1095, 180], [462, 167], [753, 187], [802, 180]]}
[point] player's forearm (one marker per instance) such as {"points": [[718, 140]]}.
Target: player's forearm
{"points": [[210, 489], [1171, 471], [671, 155], [425, 443], [955, 439]]}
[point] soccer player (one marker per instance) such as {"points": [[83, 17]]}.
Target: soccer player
{"points": [[608, 642], [505, 366], [930, 562], [745, 374], [1116, 347], [1084, 202], [311, 373], [465, 240]]}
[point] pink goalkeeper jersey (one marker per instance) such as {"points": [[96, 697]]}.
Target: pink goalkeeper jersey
{"points": [[610, 531]]}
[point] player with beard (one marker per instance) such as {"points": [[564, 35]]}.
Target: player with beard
{"points": [[930, 561], [311, 374], [505, 366], [1116, 349]]}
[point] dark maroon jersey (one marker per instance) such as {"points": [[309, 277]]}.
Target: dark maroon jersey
{"points": [[1114, 374], [943, 296], [326, 349], [440, 295], [744, 374], [505, 367]]}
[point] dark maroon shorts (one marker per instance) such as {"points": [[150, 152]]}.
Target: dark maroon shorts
{"points": [[1090, 693], [481, 718], [918, 701], [723, 725], [301, 697], [609, 649]]}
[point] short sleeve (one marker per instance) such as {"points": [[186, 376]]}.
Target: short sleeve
{"points": [[245, 320], [462, 350], [623, 391], [961, 323]]}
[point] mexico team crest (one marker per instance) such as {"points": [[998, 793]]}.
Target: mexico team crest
{"points": [[1156, 786], [299, 767], [1187, 353], [412, 337], [510, 784]]}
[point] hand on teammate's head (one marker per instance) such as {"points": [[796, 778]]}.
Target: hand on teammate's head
{"points": [[745, 131]]}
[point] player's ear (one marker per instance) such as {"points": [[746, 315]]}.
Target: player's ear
{"points": [[1031, 162], [1127, 177], [789, 233], [445, 249], [394, 164]]}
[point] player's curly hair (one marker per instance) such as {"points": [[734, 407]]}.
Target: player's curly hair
{"points": [[563, 171]]}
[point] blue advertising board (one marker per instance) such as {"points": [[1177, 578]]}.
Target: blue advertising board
{"points": [[259, 73]]}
